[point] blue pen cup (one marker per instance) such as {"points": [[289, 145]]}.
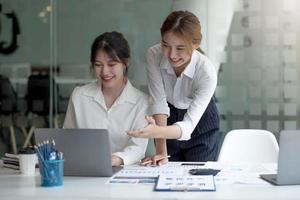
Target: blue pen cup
{"points": [[52, 172]]}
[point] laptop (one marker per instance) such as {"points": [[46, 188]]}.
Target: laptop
{"points": [[86, 151], [288, 170]]}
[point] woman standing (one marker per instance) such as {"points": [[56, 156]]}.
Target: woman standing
{"points": [[112, 102], [182, 82]]}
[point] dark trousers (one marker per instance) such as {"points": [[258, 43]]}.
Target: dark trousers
{"points": [[203, 145]]}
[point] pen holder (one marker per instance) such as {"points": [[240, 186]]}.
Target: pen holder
{"points": [[52, 172]]}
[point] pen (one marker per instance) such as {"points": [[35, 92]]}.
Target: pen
{"points": [[46, 149], [42, 160], [40, 147], [52, 148], [52, 153], [43, 146], [60, 155], [193, 163]]}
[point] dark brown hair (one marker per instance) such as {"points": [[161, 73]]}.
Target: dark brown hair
{"points": [[185, 25], [115, 45]]}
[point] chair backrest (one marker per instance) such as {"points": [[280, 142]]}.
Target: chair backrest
{"points": [[38, 94], [8, 96], [249, 145]]}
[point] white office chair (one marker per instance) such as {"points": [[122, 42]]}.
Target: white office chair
{"points": [[249, 145]]}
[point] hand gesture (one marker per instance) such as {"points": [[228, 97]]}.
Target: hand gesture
{"points": [[155, 160], [150, 131]]}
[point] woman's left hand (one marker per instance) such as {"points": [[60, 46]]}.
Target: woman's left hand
{"points": [[155, 160], [116, 161], [150, 131]]}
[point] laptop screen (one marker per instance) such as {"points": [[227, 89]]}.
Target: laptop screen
{"points": [[289, 159], [86, 151]]}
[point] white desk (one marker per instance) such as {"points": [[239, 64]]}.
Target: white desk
{"points": [[70, 80], [14, 186], [58, 80]]}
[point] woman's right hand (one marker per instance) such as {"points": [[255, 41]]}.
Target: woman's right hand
{"points": [[155, 160], [150, 131]]}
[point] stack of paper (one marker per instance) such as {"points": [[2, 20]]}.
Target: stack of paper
{"points": [[144, 175], [10, 161]]}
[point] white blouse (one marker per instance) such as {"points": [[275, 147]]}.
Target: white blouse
{"points": [[87, 109], [192, 90]]}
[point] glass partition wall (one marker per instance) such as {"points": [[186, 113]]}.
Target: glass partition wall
{"points": [[45, 53], [259, 82], [25, 63]]}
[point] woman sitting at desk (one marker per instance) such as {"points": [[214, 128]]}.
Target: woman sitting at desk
{"points": [[112, 102]]}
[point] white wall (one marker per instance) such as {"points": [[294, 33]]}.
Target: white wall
{"points": [[258, 84], [215, 17]]}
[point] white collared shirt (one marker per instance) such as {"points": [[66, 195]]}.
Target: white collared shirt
{"points": [[87, 109], [192, 90]]}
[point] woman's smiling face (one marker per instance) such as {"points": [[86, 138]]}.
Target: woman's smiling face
{"points": [[109, 71], [176, 50]]}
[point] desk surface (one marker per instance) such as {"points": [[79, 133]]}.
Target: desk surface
{"points": [[58, 80], [70, 80], [14, 186]]}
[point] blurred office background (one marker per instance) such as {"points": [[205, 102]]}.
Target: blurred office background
{"points": [[45, 47]]}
